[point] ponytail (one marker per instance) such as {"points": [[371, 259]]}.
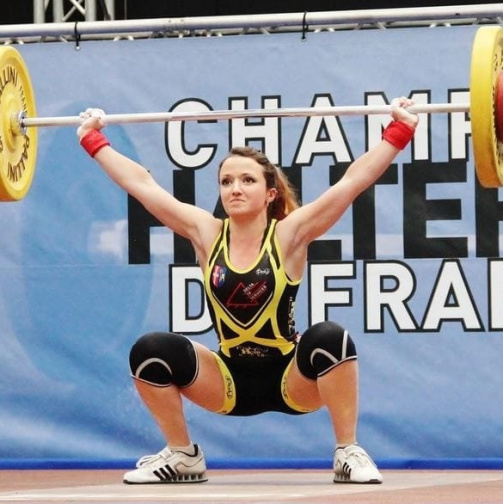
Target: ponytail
{"points": [[286, 200]]}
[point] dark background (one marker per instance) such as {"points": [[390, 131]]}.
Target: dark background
{"points": [[21, 11]]}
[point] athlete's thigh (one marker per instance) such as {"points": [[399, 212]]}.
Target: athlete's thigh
{"points": [[208, 389], [302, 390]]}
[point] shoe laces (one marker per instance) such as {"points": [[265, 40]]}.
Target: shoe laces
{"points": [[359, 457], [151, 459]]}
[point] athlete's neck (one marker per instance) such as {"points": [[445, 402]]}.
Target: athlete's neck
{"points": [[248, 231]]}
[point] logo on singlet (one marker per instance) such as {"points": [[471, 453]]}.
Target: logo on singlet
{"points": [[245, 296], [262, 271], [218, 275]]}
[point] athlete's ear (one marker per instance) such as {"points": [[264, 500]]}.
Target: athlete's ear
{"points": [[271, 194]]}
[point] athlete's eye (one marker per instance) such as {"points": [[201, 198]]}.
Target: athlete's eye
{"points": [[248, 180], [225, 182]]}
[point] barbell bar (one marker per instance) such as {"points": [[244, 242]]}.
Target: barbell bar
{"points": [[18, 122], [22, 122]]}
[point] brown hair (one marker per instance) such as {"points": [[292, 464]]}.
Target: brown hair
{"points": [[286, 198]]}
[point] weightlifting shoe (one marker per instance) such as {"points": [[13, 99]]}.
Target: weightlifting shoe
{"points": [[169, 467], [352, 464]]}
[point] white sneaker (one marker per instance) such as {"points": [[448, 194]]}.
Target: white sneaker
{"points": [[169, 467], [352, 464]]}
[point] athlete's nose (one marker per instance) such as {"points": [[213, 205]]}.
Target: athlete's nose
{"points": [[236, 186]]}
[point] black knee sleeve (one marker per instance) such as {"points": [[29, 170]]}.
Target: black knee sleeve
{"points": [[322, 347], [161, 359]]}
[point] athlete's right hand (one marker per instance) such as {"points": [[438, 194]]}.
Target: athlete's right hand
{"points": [[93, 118]]}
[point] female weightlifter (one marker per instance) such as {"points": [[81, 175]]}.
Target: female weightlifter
{"points": [[252, 262]]}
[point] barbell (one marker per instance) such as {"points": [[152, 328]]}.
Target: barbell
{"points": [[18, 121]]}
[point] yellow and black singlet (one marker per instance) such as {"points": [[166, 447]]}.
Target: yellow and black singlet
{"points": [[252, 310]]}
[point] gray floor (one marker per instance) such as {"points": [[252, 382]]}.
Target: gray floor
{"points": [[288, 486]]}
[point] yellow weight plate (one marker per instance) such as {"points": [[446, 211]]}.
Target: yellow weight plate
{"points": [[18, 149], [486, 67], [498, 110]]}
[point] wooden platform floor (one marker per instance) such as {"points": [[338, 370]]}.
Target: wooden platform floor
{"points": [[253, 486]]}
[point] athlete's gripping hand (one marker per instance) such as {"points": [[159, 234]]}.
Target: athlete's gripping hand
{"points": [[89, 134], [399, 111], [93, 119]]}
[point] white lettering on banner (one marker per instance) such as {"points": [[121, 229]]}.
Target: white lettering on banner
{"points": [[321, 136], [188, 316], [496, 295], [460, 126], [435, 223], [451, 300], [178, 152], [388, 289], [325, 296], [264, 130], [388, 286], [376, 123]]}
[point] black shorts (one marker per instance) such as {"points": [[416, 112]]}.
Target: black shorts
{"points": [[258, 383]]}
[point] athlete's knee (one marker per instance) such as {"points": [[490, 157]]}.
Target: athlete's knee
{"points": [[322, 347], [161, 358]]}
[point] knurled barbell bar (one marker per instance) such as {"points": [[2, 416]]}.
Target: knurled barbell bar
{"points": [[18, 122]]}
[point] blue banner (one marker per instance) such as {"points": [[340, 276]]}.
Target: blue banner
{"points": [[413, 270]]}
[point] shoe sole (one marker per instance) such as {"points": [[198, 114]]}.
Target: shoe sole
{"points": [[347, 480], [183, 478]]}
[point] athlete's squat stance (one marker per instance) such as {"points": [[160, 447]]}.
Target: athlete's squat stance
{"points": [[253, 262]]}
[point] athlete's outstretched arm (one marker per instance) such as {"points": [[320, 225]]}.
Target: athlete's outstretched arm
{"points": [[314, 219], [192, 222]]}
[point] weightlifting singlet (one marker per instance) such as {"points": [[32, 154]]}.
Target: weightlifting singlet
{"points": [[252, 309]]}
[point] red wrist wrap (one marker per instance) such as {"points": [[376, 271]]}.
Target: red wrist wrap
{"points": [[93, 141], [398, 134]]}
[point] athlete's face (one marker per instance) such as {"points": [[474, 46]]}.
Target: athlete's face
{"points": [[243, 187]]}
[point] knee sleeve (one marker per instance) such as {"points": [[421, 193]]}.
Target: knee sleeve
{"points": [[161, 359], [322, 347]]}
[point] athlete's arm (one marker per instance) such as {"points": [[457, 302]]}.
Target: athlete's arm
{"points": [[312, 220], [189, 221]]}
